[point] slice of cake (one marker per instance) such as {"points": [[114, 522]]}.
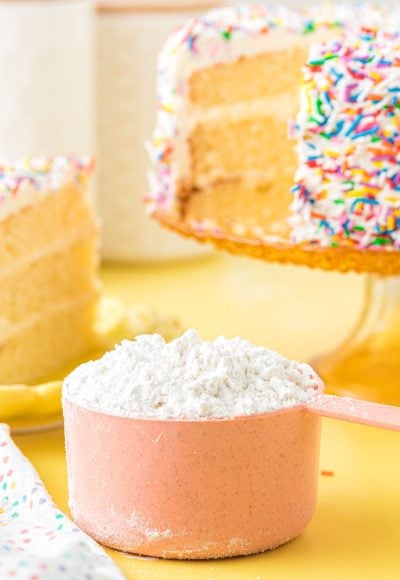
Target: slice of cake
{"points": [[48, 260], [347, 190]]}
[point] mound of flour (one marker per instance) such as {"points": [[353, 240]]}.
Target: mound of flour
{"points": [[189, 378]]}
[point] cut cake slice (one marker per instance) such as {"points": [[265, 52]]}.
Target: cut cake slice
{"points": [[48, 263]]}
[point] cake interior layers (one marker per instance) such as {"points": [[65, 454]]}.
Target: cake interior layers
{"points": [[247, 147], [48, 292], [269, 74], [42, 224], [244, 208], [242, 163], [62, 272], [62, 335]]}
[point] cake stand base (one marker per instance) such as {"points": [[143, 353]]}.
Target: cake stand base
{"points": [[282, 250], [367, 364]]}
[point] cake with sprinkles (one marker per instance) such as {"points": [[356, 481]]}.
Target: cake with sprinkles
{"points": [[48, 259], [228, 84], [347, 190]]}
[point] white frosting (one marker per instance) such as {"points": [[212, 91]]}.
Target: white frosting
{"points": [[30, 180]]}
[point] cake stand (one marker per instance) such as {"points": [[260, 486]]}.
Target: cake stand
{"points": [[367, 364]]}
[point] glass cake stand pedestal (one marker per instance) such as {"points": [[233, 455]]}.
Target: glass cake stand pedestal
{"points": [[367, 364]]}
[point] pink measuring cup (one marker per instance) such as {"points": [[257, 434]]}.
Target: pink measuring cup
{"points": [[202, 489]]}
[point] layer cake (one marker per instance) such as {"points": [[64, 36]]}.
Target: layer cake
{"points": [[48, 260], [229, 83]]}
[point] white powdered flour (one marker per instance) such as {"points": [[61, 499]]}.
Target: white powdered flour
{"points": [[190, 379]]}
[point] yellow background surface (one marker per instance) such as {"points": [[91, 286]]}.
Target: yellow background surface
{"points": [[356, 529]]}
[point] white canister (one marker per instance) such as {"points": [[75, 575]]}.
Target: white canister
{"points": [[130, 36], [46, 78]]}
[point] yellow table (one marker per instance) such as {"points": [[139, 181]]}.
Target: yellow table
{"points": [[356, 530]]}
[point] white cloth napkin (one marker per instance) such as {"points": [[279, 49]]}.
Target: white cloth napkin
{"points": [[37, 541]]}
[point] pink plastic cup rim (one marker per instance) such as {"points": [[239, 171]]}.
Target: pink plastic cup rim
{"points": [[318, 391]]}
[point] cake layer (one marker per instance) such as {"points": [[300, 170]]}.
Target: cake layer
{"points": [[58, 213], [257, 145], [49, 343], [252, 77], [64, 273], [251, 208]]}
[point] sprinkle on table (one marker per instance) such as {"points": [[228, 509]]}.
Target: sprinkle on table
{"points": [[327, 472]]}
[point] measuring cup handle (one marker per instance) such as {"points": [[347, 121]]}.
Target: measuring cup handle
{"points": [[356, 411]]}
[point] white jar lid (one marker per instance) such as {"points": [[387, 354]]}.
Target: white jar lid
{"points": [[154, 5]]}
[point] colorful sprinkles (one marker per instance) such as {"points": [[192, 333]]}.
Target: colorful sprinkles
{"points": [[40, 174], [37, 541], [347, 190]]}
